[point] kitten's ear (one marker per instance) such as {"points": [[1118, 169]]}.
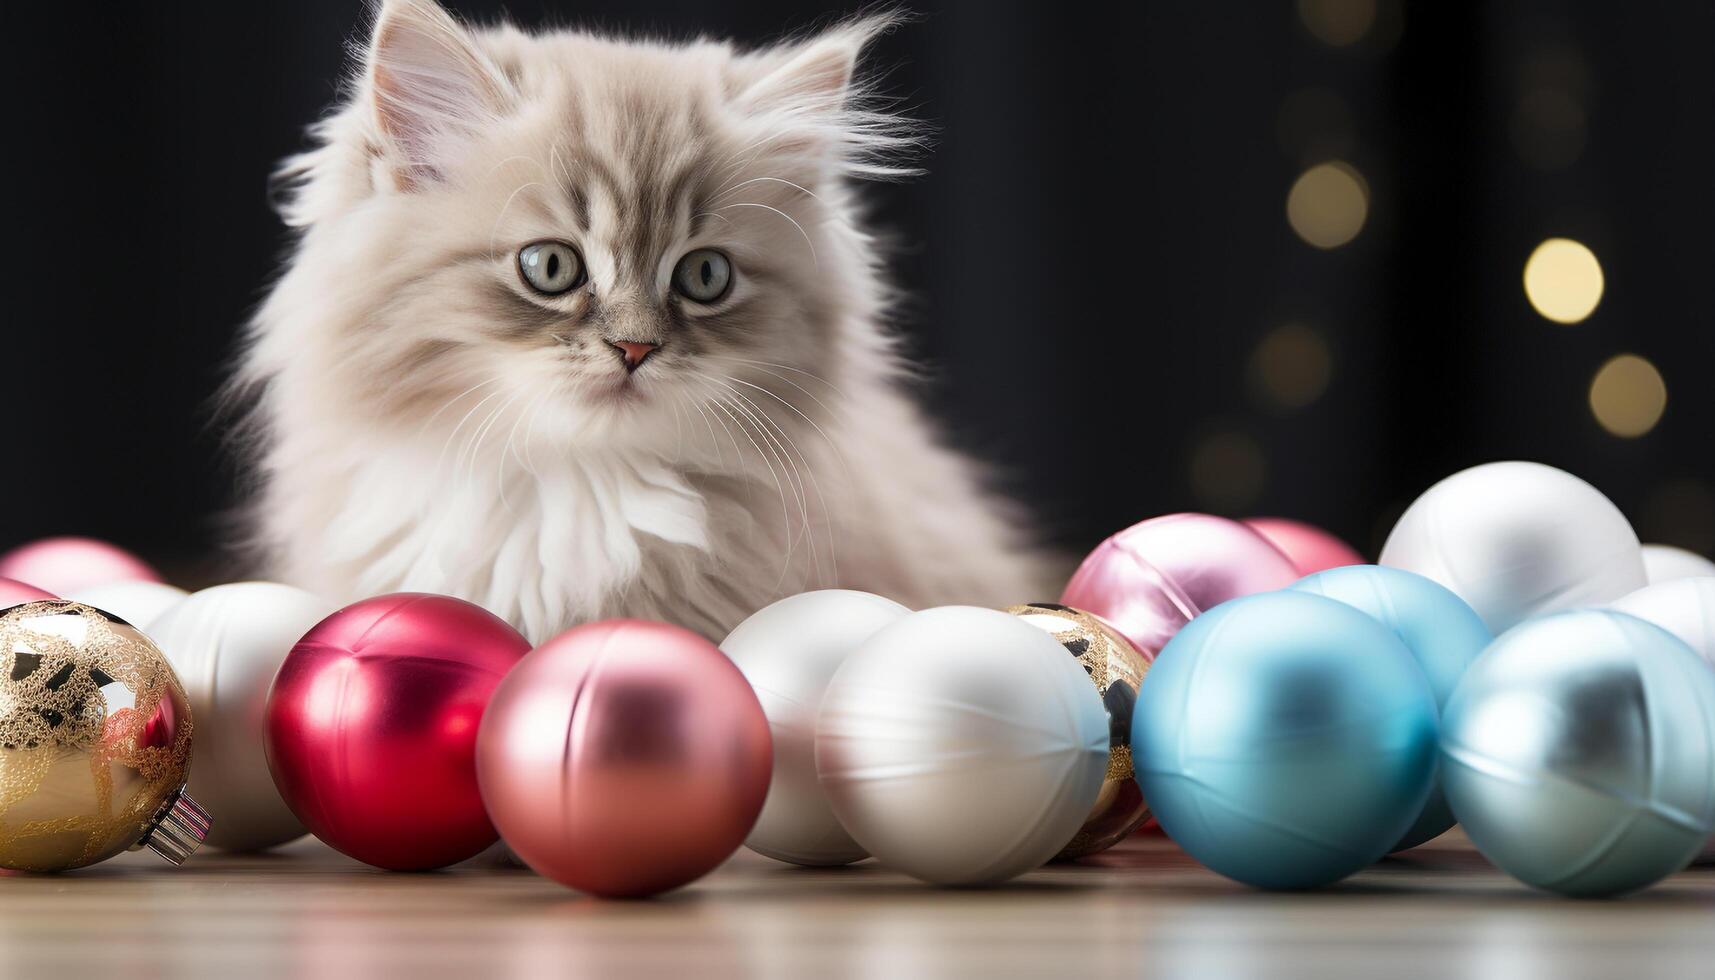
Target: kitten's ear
{"points": [[807, 96], [432, 88]]}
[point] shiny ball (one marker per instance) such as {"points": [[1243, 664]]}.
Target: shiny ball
{"points": [[1684, 607], [139, 603], [1576, 753], [64, 565], [1442, 633], [1664, 563], [226, 644], [1311, 549], [1285, 740], [1151, 579], [625, 758], [15, 593], [371, 723], [788, 652], [1116, 668], [95, 737], [962, 746], [1516, 540]]}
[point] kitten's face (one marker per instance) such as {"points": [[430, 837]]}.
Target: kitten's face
{"points": [[595, 240]]}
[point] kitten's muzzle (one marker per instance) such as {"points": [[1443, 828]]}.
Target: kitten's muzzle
{"points": [[632, 352]]}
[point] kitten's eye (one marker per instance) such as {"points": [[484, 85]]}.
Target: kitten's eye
{"points": [[551, 267], [703, 275]]}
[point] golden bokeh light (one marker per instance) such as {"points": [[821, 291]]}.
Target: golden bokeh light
{"points": [[1628, 396], [1291, 367], [1328, 204], [1228, 471], [1563, 280], [1338, 23]]}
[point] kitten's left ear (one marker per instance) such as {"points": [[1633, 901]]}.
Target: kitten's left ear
{"points": [[432, 87], [808, 96]]}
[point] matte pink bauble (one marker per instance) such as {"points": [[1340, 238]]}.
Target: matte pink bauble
{"points": [[15, 593], [1154, 577], [625, 758], [371, 727], [65, 565], [1310, 548]]}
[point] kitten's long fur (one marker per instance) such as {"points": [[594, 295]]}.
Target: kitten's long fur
{"points": [[428, 421]]}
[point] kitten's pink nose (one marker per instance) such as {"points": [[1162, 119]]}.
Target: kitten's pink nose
{"points": [[633, 351]]}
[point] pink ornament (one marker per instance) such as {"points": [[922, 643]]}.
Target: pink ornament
{"points": [[1154, 577], [65, 565], [14, 593], [1310, 548], [371, 727], [625, 758]]}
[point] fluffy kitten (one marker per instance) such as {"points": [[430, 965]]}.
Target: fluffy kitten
{"points": [[581, 327]]}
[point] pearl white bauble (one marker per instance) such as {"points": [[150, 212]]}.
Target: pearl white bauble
{"points": [[1517, 540], [788, 652], [1684, 607], [961, 745], [226, 644], [1664, 563], [138, 603]]}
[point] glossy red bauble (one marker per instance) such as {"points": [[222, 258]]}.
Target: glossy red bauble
{"points": [[372, 722], [1311, 549]]}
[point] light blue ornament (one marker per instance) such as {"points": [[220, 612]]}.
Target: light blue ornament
{"points": [[1579, 752], [1441, 631], [1285, 740]]}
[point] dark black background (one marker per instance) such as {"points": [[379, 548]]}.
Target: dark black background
{"points": [[1098, 249]]}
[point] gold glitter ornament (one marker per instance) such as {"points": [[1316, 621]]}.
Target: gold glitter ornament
{"points": [[95, 742], [1116, 668]]}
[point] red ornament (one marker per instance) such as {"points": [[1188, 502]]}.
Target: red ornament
{"points": [[65, 565], [371, 727], [14, 593], [625, 758], [1311, 549]]}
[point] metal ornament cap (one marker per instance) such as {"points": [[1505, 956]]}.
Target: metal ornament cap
{"points": [[180, 829]]}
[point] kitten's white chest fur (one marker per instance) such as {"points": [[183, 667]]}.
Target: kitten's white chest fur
{"points": [[432, 419]]}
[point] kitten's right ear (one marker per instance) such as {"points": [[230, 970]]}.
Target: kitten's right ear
{"points": [[432, 88]]}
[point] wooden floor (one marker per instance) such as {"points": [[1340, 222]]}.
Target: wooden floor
{"points": [[1140, 910]]}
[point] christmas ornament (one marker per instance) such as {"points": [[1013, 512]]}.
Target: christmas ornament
{"points": [[1285, 740], [1664, 563], [1576, 753], [138, 603], [787, 652], [1310, 548], [624, 758], [1684, 607], [961, 746], [1153, 578], [371, 727], [95, 742], [226, 643], [1116, 668], [13, 593], [1516, 540], [1442, 633], [64, 565]]}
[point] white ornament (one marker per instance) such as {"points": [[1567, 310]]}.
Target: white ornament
{"points": [[138, 603], [1684, 607], [1664, 563], [788, 651], [961, 745], [226, 644], [1516, 540]]}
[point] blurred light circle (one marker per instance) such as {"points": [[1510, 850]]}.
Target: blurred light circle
{"points": [[1291, 367], [1563, 280], [1628, 396], [1228, 471], [1337, 23], [1328, 204]]}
